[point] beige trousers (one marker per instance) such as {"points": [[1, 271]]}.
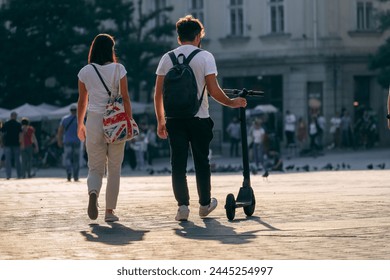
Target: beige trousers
{"points": [[99, 154]]}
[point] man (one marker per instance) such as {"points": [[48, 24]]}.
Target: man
{"points": [[234, 131], [289, 128], [67, 138], [194, 132], [12, 141]]}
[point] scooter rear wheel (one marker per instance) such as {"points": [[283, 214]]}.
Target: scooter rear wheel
{"points": [[230, 207], [249, 210]]}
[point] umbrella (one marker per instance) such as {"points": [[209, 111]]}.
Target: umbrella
{"points": [[261, 110]]}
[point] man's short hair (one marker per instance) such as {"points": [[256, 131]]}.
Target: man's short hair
{"points": [[188, 28]]}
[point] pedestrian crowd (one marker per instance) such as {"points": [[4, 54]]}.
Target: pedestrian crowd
{"points": [[304, 137]]}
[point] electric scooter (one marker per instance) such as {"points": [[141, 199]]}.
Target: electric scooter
{"points": [[245, 198]]}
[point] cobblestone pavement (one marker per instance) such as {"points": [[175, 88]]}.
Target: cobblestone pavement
{"points": [[299, 215]]}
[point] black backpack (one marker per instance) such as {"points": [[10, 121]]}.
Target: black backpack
{"points": [[180, 91]]}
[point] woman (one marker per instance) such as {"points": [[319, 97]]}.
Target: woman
{"points": [[29, 147], [93, 95]]}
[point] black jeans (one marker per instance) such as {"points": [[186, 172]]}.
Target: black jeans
{"points": [[194, 133]]}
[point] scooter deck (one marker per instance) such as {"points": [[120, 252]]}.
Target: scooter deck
{"points": [[245, 197], [243, 203]]}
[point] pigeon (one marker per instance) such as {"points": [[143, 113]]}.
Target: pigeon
{"points": [[329, 166], [150, 171], [370, 166], [306, 168], [381, 166], [290, 167], [265, 175]]}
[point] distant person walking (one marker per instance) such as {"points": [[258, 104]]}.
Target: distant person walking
{"points": [[334, 130], [93, 97], [29, 147], [67, 138], [234, 131], [13, 142], [346, 130], [258, 135], [289, 127]]}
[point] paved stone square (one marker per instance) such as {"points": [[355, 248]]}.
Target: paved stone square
{"points": [[342, 214]]}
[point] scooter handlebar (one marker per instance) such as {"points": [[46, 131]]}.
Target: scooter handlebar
{"points": [[244, 92]]}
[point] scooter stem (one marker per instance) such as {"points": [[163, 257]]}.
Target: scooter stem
{"points": [[244, 142]]}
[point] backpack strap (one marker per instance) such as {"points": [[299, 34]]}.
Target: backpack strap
{"points": [[173, 58], [101, 79], [187, 60], [191, 56], [68, 125]]}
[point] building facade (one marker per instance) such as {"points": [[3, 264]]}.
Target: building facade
{"points": [[307, 55]]}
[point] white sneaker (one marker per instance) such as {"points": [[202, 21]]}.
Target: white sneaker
{"points": [[182, 213], [207, 209], [110, 217]]}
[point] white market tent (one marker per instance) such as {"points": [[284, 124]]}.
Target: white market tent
{"points": [[46, 111], [137, 108], [47, 107], [33, 113], [61, 112], [3, 111]]}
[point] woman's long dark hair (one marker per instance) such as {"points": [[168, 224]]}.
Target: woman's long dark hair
{"points": [[102, 50]]}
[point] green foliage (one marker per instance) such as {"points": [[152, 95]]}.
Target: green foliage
{"points": [[45, 44], [381, 59]]}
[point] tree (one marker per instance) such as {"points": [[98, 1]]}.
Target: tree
{"points": [[46, 43], [41, 50], [381, 60]]}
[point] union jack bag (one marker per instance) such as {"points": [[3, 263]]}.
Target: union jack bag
{"points": [[117, 125]]}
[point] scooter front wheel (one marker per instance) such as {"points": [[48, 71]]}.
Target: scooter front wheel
{"points": [[230, 207], [249, 210]]}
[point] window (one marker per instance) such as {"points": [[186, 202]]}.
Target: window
{"points": [[196, 9], [277, 16], [365, 16], [236, 18], [161, 18]]}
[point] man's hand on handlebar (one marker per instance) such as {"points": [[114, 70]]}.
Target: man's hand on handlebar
{"points": [[238, 102]]}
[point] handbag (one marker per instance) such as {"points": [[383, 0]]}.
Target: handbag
{"points": [[117, 125]]}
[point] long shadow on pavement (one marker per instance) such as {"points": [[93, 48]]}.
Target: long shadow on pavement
{"points": [[214, 230], [113, 234], [257, 219]]}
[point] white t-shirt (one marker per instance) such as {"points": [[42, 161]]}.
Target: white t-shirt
{"points": [[258, 134], [97, 94], [290, 121], [202, 64]]}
